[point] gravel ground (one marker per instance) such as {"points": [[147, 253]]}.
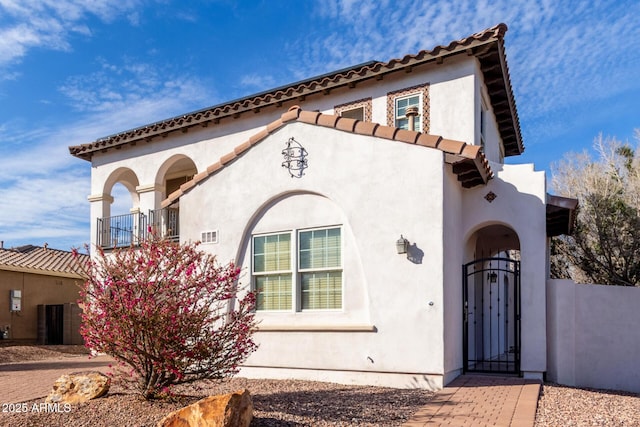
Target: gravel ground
{"points": [[276, 403], [567, 406], [307, 403], [24, 353]]}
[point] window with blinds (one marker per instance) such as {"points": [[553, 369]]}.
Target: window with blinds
{"points": [[316, 283], [320, 262], [272, 271]]}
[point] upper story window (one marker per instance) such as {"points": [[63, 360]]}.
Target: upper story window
{"points": [[353, 113], [359, 110], [402, 103], [306, 278], [398, 102]]}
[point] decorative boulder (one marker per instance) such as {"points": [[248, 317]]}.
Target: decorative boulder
{"points": [[226, 410], [79, 387]]}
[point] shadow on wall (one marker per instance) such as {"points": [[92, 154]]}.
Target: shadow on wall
{"points": [[415, 254], [423, 382]]}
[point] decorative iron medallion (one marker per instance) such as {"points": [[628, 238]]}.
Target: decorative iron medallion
{"points": [[295, 158]]}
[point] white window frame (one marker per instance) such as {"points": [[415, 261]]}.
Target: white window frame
{"points": [[296, 271], [290, 271], [418, 119]]}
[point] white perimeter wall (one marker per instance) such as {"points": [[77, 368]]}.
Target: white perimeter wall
{"points": [[593, 335]]}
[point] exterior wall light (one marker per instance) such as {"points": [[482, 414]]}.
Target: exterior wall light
{"points": [[402, 244], [493, 277]]}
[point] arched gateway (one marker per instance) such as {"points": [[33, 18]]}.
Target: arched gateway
{"points": [[491, 303]]}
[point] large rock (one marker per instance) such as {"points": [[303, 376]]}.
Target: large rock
{"points": [[79, 387], [226, 410]]}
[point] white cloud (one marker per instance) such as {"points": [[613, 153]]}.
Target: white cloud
{"points": [[49, 23], [257, 81], [35, 209], [43, 189], [561, 54], [139, 92]]}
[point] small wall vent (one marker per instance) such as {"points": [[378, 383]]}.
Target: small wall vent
{"points": [[209, 236]]}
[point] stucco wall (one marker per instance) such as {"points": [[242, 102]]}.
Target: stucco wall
{"points": [[36, 289], [593, 335], [453, 247], [452, 104], [520, 205], [377, 190]]}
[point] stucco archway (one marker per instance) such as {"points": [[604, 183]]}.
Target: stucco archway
{"points": [[292, 214], [174, 172], [491, 301], [125, 228], [129, 180]]}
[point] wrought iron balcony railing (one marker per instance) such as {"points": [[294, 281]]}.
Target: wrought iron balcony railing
{"points": [[121, 230], [130, 229], [165, 223]]}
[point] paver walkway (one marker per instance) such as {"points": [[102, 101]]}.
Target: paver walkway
{"points": [[24, 381], [479, 400]]}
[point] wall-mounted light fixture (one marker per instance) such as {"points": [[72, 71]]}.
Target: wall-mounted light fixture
{"points": [[295, 158], [493, 277], [402, 245]]}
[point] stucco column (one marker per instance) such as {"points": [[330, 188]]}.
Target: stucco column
{"points": [[150, 197], [100, 208]]}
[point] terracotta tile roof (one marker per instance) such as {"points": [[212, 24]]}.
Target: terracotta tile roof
{"points": [[487, 46], [40, 260], [468, 161]]}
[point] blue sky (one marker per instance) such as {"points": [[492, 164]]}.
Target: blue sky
{"points": [[72, 71]]}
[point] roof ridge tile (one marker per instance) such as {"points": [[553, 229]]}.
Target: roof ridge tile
{"points": [[327, 120], [346, 124], [386, 132], [407, 136], [310, 117], [451, 146], [365, 128], [428, 140]]}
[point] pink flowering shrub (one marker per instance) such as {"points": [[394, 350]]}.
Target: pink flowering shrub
{"points": [[168, 312]]}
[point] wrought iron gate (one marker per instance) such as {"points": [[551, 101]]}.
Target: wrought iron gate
{"points": [[491, 315]]}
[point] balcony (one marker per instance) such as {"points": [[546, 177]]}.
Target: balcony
{"points": [[165, 223], [130, 229]]}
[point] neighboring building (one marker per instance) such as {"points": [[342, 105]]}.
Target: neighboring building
{"points": [[370, 207], [40, 288]]}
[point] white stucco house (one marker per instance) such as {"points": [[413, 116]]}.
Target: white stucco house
{"points": [[370, 207]]}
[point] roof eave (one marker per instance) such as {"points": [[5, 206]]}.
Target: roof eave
{"points": [[560, 215], [484, 45]]}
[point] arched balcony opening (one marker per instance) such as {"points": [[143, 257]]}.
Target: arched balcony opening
{"points": [[165, 222], [122, 224]]}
